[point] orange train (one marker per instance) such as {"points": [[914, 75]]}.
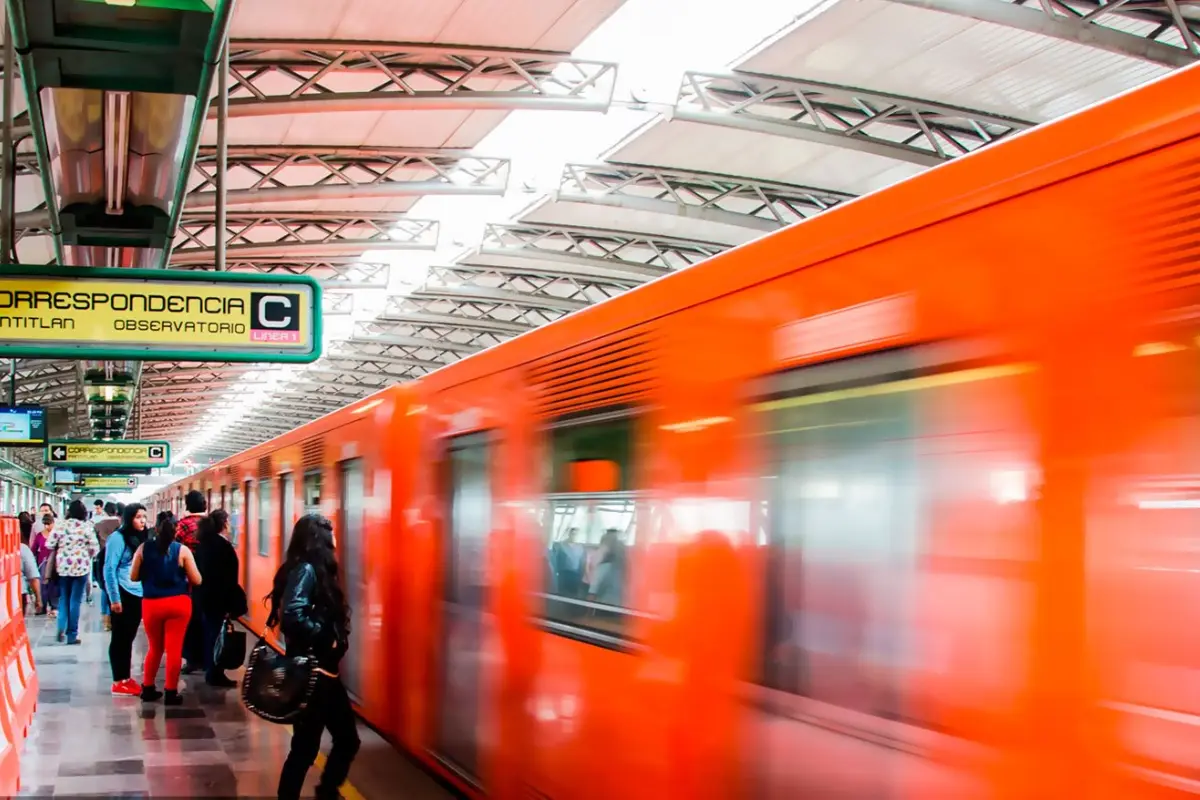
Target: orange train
{"points": [[898, 502]]}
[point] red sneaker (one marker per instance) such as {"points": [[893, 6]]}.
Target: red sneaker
{"points": [[126, 688]]}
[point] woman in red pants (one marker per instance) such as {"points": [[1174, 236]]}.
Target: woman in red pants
{"points": [[167, 571]]}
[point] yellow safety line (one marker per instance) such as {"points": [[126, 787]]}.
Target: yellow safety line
{"points": [[347, 789]]}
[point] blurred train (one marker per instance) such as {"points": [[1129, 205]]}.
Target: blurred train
{"points": [[899, 502]]}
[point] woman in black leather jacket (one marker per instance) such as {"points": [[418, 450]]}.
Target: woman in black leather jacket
{"points": [[309, 606]]}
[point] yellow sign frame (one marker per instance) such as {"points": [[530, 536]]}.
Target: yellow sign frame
{"points": [[133, 314], [119, 454], [107, 482]]}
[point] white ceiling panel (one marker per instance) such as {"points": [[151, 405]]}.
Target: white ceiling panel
{"points": [[886, 47], [692, 146]]}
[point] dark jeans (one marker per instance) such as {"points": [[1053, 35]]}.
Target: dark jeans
{"points": [[124, 631], [69, 600], [330, 708]]}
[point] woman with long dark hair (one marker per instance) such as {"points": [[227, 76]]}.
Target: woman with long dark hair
{"points": [[219, 597], [309, 607], [166, 569], [74, 546], [124, 596]]}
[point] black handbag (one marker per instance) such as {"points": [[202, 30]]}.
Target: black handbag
{"points": [[278, 687], [229, 652]]}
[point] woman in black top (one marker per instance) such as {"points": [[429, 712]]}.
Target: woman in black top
{"points": [[309, 606], [220, 596]]}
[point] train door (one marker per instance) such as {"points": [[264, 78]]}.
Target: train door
{"points": [[350, 556], [468, 524]]}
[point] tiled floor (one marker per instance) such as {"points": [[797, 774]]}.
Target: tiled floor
{"points": [[86, 743]]}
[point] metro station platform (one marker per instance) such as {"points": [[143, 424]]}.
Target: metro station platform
{"points": [[86, 743]]}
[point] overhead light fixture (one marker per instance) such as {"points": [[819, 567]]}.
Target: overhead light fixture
{"points": [[116, 148]]}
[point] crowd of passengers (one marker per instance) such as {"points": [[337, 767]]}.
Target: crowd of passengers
{"points": [[178, 580], [596, 574]]}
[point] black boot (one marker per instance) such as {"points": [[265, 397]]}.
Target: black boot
{"points": [[172, 698], [150, 694]]}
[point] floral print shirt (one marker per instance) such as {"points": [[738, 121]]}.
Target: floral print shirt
{"points": [[77, 546]]}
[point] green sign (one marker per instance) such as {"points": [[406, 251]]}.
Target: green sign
{"points": [[195, 315], [112, 482], [104, 455]]}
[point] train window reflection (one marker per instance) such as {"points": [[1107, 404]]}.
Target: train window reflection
{"points": [[589, 537], [884, 499], [590, 526]]}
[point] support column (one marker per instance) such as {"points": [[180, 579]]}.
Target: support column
{"points": [[222, 151], [8, 158]]}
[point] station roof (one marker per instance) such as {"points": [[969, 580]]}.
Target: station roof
{"points": [[457, 173]]}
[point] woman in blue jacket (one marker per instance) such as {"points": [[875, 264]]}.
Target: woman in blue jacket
{"points": [[124, 596]]}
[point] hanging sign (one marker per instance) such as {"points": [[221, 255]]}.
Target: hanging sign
{"points": [[101, 455], [195, 315], [108, 482]]}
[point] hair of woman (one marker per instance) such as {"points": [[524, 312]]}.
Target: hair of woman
{"points": [[312, 543], [133, 539], [164, 532], [26, 523], [77, 510], [212, 525]]}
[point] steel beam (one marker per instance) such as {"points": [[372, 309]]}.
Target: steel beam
{"points": [[294, 235], [413, 342], [902, 128], [1152, 30], [709, 197], [299, 77], [282, 174], [345, 273], [499, 297], [394, 314], [604, 253]]}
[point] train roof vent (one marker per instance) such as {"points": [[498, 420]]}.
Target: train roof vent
{"points": [[264, 467], [312, 453], [601, 374], [1168, 214]]}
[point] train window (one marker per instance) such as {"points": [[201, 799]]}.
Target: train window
{"points": [[312, 491], [861, 468], [589, 524], [264, 516], [235, 515], [287, 514]]}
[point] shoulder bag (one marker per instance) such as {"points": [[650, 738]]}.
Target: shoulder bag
{"points": [[229, 652], [278, 687]]}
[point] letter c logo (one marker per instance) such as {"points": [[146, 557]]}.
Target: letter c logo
{"points": [[273, 300]]}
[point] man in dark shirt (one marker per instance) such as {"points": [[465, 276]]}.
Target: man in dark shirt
{"points": [[186, 533]]}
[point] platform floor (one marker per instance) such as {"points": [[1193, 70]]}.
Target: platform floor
{"points": [[86, 743]]}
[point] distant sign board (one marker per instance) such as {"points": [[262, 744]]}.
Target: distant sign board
{"points": [[120, 482], [102, 455], [63, 477], [22, 426], [179, 315]]}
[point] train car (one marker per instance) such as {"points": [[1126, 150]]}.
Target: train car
{"points": [[896, 502]]}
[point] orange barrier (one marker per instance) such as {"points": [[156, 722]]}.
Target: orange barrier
{"points": [[19, 688]]}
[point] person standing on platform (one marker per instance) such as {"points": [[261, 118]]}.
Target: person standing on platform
{"points": [[220, 597], [124, 595], [309, 606], [107, 523], [73, 544], [187, 532], [30, 575], [167, 570]]}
